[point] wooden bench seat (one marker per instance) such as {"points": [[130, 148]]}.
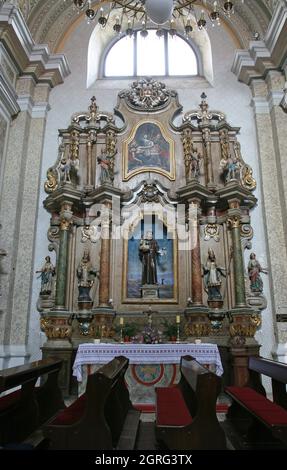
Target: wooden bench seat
{"points": [[186, 413], [24, 410], [254, 414], [102, 418]]}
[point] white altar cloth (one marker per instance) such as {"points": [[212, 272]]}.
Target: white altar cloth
{"points": [[89, 353]]}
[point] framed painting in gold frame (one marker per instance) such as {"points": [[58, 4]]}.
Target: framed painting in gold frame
{"points": [[167, 270], [148, 149]]}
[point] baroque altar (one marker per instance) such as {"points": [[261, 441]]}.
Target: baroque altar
{"points": [[150, 217]]}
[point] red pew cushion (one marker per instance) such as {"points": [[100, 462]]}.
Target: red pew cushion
{"points": [[72, 414], [271, 413], [171, 409]]}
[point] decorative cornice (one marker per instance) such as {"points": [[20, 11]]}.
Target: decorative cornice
{"points": [[31, 59], [36, 110], [263, 56], [274, 98], [40, 110], [260, 105], [25, 103], [8, 96]]}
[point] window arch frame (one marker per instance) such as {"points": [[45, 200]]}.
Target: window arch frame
{"points": [[114, 40]]}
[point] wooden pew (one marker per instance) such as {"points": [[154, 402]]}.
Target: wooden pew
{"points": [[102, 418], [26, 409], [186, 414], [255, 416]]}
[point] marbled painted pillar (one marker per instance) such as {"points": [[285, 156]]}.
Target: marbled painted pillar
{"points": [[62, 262], [195, 252], [104, 283], [238, 265]]}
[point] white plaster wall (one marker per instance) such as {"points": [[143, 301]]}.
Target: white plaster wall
{"points": [[226, 95]]}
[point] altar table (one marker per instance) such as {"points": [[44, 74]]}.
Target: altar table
{"points": [[150, 364]]}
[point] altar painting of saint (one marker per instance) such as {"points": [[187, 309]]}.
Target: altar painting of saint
{"points": [[138, 269], [148, 149]]}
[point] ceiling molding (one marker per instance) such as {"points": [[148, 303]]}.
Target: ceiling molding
{"points": [[50, 20], [263, 56], [30, 58]]}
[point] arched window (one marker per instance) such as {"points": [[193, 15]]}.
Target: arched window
{"points": [[151, 55]]}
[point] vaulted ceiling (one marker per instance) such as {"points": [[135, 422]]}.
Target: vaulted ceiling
{"points": [[50, 20]]}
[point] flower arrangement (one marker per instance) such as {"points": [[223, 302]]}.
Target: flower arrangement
{"points": [[149, 335]]}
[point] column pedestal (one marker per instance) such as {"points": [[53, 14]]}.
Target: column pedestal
{"points": [[240, 358], [197, 321]]}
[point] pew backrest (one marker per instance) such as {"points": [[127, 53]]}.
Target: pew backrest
{"points": [[199, 386], [96, 420], [186, 414], [16, 376], [277, 371], [26, 409]]}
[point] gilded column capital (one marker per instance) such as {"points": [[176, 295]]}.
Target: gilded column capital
{"points": [[234, 221], [65, 224]]}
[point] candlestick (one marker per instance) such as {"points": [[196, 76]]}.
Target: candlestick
{"points": [[121, 321], [177, 318], [121, 337], [177, 337], [149, 319]]}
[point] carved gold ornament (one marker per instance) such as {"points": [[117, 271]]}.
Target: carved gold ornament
{"points": [[234, 222], [245, 326], [65, 224], [197, 329], [256, 320], [74, 145], [52, 182], [56, 328], [247, 178]]}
